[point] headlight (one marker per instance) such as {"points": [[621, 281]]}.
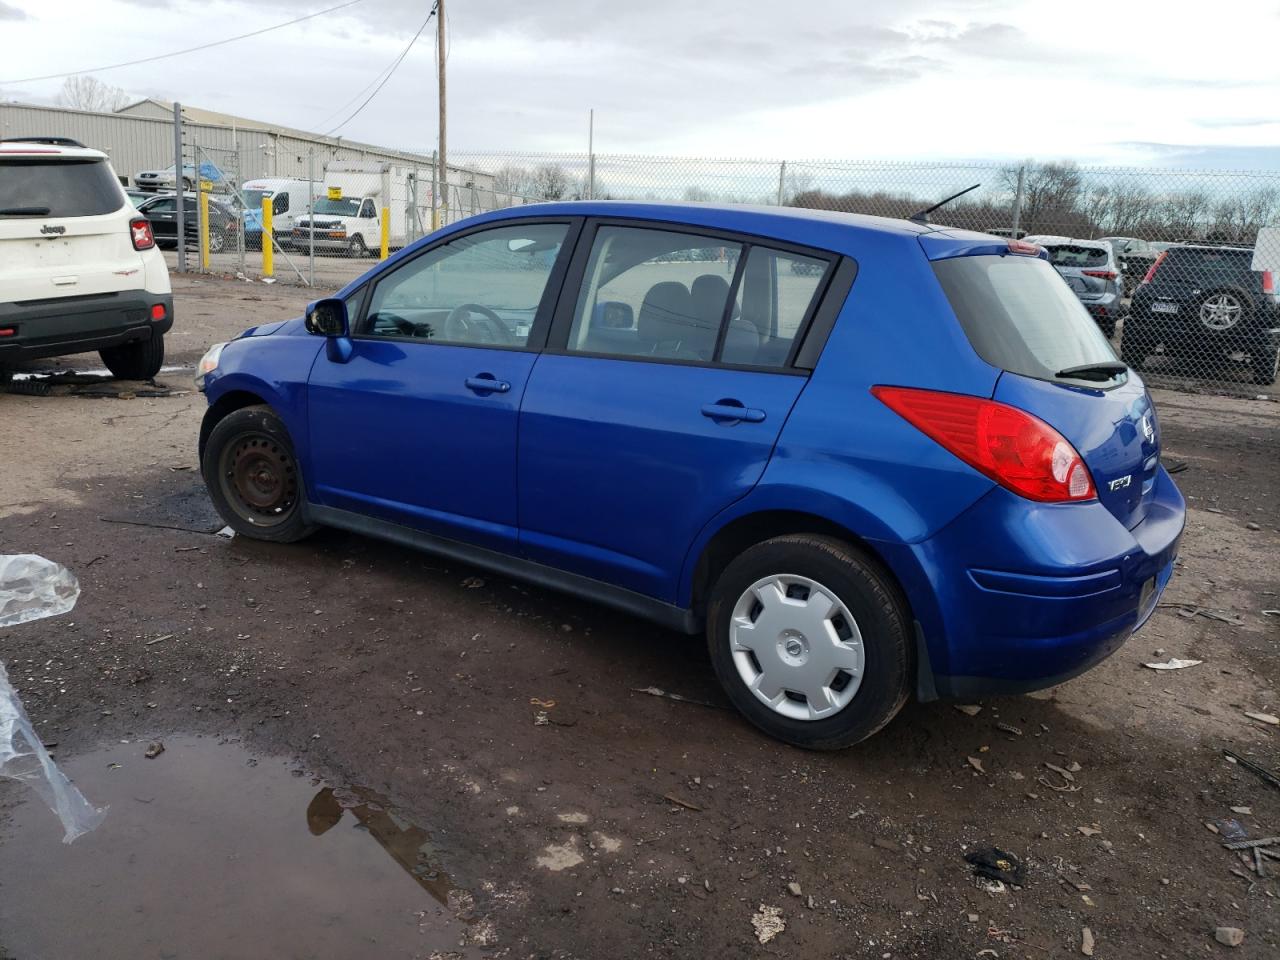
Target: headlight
{"points": [[208, 363]]}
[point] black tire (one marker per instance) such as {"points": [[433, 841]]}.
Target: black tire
{"points": [[873, 601], [1264, 366], [217, 241], [252, 475], [356, 248], [140, 360], [1134, 346], [6, 377]]}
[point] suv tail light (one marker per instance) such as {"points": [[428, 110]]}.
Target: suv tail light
{"points": [[140, 233], [1100, 274], [1151, 270], [1268, 283], [1018, 451]]}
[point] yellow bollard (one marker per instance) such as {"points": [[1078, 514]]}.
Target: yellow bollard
{"points": [[386, 233], [204, 230], [268, 246]]}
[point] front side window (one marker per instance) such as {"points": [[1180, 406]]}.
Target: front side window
{"points": [[482, 289], [279, 204], [366, 210], [658, 294]]}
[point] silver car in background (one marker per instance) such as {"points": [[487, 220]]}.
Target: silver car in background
{"points": [[1092, 271]]}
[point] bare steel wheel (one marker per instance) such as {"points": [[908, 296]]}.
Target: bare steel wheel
{"points": [[796, 647], [1220, 311], [253, 477], [809, 636]]}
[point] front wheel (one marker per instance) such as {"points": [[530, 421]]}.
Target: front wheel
{"points": [[252, 474], [356, 248], [140, 360], [810, 639]]}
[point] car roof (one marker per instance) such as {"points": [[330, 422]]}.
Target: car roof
{"points": [[41, 148], [1048, 241]]}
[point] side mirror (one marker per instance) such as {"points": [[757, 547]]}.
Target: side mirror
{"points": [[328, 318], [613, 315]]}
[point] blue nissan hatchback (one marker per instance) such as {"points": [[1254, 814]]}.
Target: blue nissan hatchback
{"points": [[869, 458]]}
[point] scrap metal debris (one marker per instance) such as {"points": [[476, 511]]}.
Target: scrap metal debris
{"points": [[1263, 717], [678, 698], [681, 803], [1266, 775], [1173, 663]]}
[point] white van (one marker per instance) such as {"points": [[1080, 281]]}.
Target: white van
{"points": [[289, 200], [79, 268]]}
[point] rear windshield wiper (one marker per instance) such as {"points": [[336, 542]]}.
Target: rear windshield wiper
{"points": [[24, 211], [1103, 370]]}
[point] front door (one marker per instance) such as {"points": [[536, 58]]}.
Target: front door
{"points": [[659, 400], [419, 425]]}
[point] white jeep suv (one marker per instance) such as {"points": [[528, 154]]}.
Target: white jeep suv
{"points": [[79, 268]]}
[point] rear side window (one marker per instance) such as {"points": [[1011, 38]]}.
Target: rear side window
{"points": [[1020, 316], [1076, 256], [58, 188]]}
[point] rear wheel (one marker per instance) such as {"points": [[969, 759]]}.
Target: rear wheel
{"points": [[810, 640], [140, 360], [356, 247], [252, 474], [217, 241]]}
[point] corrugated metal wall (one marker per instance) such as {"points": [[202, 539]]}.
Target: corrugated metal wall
{"points": [[136, 143]]}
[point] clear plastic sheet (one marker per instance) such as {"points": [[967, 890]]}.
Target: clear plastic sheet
{"points": [[32, 587]]}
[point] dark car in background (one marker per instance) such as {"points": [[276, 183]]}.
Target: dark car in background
{"points": [[162, 211], [1092, 273], [1135, 257], [1204, 302]]}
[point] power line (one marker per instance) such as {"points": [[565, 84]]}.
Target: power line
{"points": [[178, 53], [390, 72], [379, 76]]}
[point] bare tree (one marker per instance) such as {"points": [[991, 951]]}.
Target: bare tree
{"points": [[89, 93], [513, 180], [550, 182], [1051, 197], [698, 195]]}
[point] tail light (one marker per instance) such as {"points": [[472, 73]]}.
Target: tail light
{"points": [[1268, 283], [140, 233], [157, 311], [1024, 248], [1018, 451], [1100, 274], [1151, 270]]}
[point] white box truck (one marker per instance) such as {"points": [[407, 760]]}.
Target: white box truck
{"points": [[347, 215]]}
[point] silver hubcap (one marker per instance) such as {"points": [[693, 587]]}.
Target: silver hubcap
{"points": [[796, 647], [1220, 312]]}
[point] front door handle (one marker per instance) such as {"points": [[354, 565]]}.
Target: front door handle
{"points": [[732, 412], [487, 383]]}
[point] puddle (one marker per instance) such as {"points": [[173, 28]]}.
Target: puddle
{"points": [[208, 852]]}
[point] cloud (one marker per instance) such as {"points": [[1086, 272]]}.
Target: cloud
{"points": [[8, 12]]}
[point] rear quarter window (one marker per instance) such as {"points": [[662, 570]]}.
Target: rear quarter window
{"points": [[58, 188], [1020, 315]]}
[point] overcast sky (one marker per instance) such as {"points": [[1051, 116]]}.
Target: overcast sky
{"points": [[1169, 83]]}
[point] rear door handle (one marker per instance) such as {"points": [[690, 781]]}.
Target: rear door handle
{"points": [[487, 383], [732, 411]]}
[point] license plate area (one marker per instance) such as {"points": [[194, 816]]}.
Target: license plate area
{"points": [[1161, 306]]}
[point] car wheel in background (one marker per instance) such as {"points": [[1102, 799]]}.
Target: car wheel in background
{"points": [[1221, 310], [356, 247], [217, 241], [810, 639], [253, 478], [140, 360]]}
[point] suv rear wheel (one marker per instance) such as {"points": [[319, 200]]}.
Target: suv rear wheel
{"points": [[1265, 366], [252, 474], [140, 360], [809, 638]]}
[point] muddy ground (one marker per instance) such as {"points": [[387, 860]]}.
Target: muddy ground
{"points": [[536, 803]]}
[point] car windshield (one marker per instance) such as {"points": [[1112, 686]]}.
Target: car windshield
{"points": [[1020, 316], [337, 208], [253, 198], [57, 188], [1073, 255]]}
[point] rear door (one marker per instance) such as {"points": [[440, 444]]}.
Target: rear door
{"points": [[163, 214], [660, 397], [1021, 319], [64, 229]]}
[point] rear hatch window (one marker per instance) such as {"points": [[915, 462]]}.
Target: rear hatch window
{"points": [[1020, 316], [1070, 255], [31, 187], [1203, 266]]}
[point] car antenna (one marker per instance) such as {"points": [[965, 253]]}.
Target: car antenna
{"points": [[923, 215]]}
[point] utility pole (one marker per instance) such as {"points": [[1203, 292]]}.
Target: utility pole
{"points": [[591, 154], [444, 169]]}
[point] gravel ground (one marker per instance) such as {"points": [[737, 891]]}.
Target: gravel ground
{"points": [[591, 828]]}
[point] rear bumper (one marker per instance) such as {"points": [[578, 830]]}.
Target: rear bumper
{"points": [[63, 325], [1258, 328], [1015, 596]]}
